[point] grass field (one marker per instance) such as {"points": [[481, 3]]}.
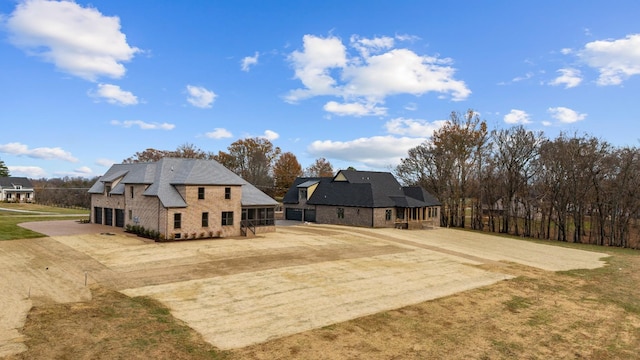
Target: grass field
{"points": [[12, 214]]}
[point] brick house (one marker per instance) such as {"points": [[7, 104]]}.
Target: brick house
{"points": [[181, 199], [361, 198], [16, 189]]}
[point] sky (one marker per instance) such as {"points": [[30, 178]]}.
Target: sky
{"points": [[87, 84]]}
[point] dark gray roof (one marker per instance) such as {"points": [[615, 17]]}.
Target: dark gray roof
{"points": [[162, 177], [417, 192], [291, 197], [370, 189], [11, 181]]}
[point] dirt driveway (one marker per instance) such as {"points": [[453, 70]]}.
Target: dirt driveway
{"points": [[241, 291]]}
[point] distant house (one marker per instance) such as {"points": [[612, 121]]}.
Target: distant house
{"points": [[16, 189], [181, 199], [361, 198]]}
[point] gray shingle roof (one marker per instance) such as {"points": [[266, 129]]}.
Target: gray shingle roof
{"points": [[162, 177], [10, 181], [362, 189]]}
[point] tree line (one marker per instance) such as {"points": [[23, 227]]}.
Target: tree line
{"points": [[573, 188], [64, 192]]}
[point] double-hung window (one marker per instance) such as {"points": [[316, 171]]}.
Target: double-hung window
{"points": [[227, 218], [177, 221]]}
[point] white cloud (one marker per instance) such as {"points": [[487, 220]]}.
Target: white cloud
{"points": [[249, 61], [270, 135], [401, 71], [84, 170], [105, 162], [413, 127], [200, 96], [313, 64], [517, 117], [218, 133], [28, 171], [44, 153], [377, 151], [77, 40], [568, 77], [566, 115], [375, 71], [546, 123], [143, 125], [367, 46], [616, 60], [411, 106], [526, 76], [353, 109], [114, 95]]}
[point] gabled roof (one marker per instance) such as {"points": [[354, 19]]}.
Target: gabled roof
{"points": [[370, 189], [12, 181], [164, 175], [291, 196]]}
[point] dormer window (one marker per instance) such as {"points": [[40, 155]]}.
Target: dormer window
{"points": [[302, 194], [107, 190]]}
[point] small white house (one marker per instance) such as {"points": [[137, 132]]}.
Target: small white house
{"points": [[16, 189]]}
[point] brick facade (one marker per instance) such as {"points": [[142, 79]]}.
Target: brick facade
{"points": [[177, 198]]}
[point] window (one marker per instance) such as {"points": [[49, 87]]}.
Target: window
{"points": [[200, 193], [302, 194], [227, 193], [177, 221], [107, 189], [205, 219], [130, 214], [387, 215], [131, 190], [435, 212], [340, 213], [227, 218]]}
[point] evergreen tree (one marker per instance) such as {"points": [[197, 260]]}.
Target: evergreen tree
{"points": [[4, 170]]}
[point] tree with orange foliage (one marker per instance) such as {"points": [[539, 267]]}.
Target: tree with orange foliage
{"points": [[285, 171]]}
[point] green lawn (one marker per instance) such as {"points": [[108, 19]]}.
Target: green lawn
{"points": [[9, 220]]}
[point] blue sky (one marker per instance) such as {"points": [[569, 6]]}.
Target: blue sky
{"points": [[85, 84]]}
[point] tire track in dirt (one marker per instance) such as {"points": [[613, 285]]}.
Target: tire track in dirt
{"points": [[396, 240]]}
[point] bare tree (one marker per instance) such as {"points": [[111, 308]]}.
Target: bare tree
{"points": [[252, 159], [515, 153], [320, 168]]}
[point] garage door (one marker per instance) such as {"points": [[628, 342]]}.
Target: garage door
{"points": [[97, 215], [293, 214], [310, 215], [108, 216], [119, 218]]}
